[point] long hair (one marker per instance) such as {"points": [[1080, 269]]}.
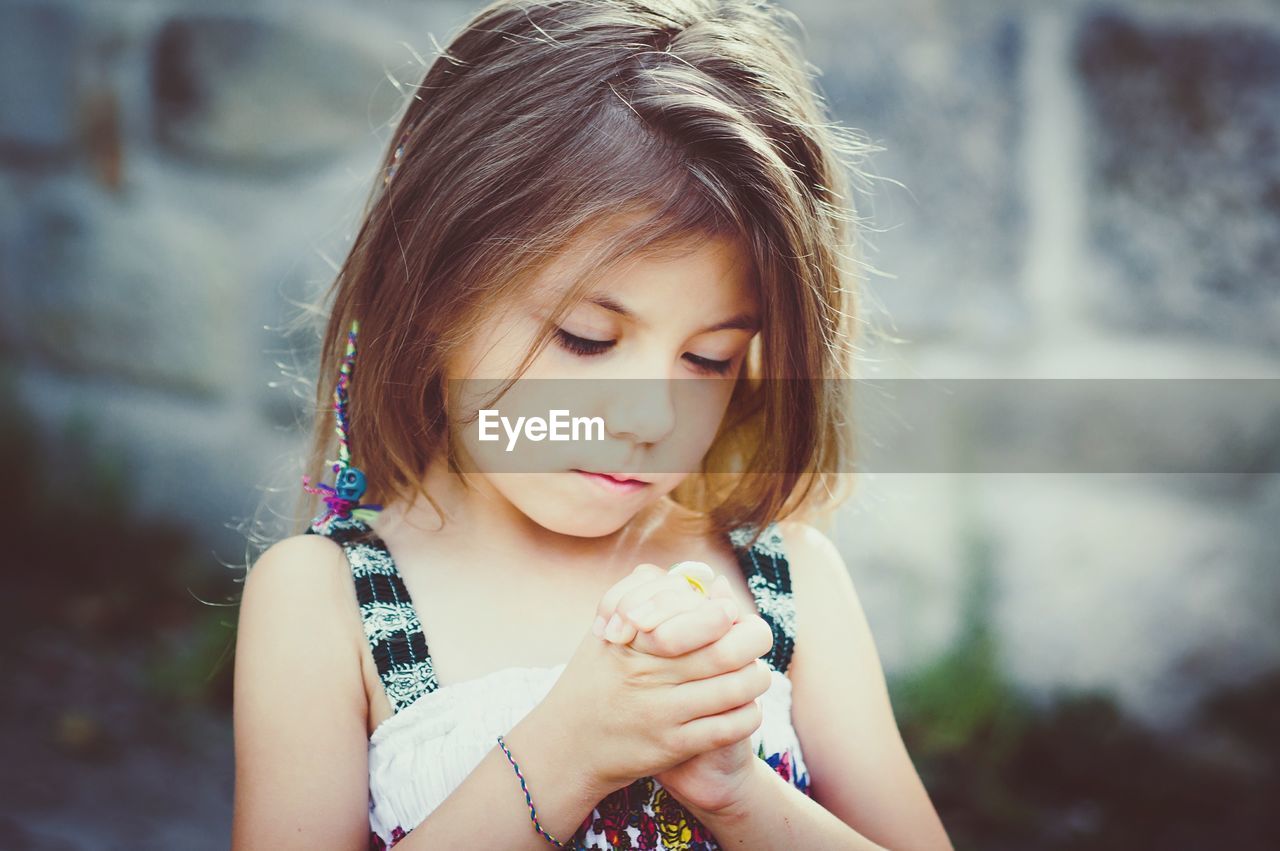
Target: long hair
{"points": [[646, 123]]}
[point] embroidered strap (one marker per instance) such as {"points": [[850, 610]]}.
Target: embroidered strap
{"points": [[391, 623], [768, 575], [399, 646]]}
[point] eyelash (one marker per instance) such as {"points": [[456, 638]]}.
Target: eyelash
{"points": [[589, 348]]}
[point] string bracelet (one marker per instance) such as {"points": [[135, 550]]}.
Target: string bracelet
{"points": [[533, 814]]}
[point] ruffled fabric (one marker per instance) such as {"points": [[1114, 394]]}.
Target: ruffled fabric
{"points": [[418, 756]]}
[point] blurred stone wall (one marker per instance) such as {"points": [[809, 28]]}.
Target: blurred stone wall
{"points": [[1067, 190]]}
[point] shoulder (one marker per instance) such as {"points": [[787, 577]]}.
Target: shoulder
{"points": [[815, 564], [300, 709], [299, 576], [830, 623], [301, 586], [298, 555], [298, 596], [299, 619]]}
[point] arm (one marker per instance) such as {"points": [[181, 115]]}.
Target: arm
{"points": [[772, 815], [301, 729], [488, 809], [859, 768], [300, 711]]}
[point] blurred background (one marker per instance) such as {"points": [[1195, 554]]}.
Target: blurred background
{"points": [[1066, 190]]}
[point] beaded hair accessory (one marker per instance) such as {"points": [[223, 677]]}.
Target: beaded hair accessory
{"points": [[343, 497], [399, 152]]}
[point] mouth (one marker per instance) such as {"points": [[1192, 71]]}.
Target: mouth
{"points": [[616, 482]]}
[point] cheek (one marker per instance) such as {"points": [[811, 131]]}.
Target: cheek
{"points": [[511, 444], [700, 406], [496, 349]]}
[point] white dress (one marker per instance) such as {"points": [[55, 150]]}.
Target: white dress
{"points": [[437, 734]]}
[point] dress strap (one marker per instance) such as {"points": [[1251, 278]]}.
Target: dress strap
{"points": [[768, 574], [391, 623]]}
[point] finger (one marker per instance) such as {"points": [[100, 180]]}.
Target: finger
{"points": [[720, 590], [743, 641], [717, 731], [719, 587], [686, 631], [620, 628], [640, 575], [662, 606], [713, 695]]}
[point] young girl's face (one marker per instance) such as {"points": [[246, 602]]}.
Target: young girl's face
{"points": [[653, 353]]}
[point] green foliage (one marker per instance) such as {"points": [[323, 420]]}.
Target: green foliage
{"points": [[1076, 773], [195, 663], [104, 576]]}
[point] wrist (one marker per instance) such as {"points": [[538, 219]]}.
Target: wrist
{"points": [[754, 786], [564, 754]]}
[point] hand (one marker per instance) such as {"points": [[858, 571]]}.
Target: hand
{"points": [[712, 780], [632, 609], [629, 714]]}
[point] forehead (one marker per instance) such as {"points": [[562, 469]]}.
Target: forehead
{"points": [[700, 271]]}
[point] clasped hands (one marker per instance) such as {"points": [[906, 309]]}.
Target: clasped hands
{"points": [[667, 613]]}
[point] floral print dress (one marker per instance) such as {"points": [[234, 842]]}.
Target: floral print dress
{"points": [[438, 734]]}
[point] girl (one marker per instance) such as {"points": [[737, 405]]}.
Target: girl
{"points": [[582, 189]]}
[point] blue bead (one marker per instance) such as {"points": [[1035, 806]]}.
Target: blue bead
{"points": [[351, 484]]}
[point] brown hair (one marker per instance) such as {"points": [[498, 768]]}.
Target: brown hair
{"points": [[645, 122]]}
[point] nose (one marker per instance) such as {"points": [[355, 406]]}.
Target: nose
{"points": [[640, 409]]}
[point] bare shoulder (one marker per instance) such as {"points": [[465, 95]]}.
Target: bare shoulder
{"points": [[816, 566], [299, 706], [299, 607], [830, 622], [312, 566]]}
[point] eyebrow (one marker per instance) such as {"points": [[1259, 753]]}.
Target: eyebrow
{"points": [[743, 321]]}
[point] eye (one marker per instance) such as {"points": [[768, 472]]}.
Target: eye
{"points": [[582, 346], [588, 348], [713, 367]]}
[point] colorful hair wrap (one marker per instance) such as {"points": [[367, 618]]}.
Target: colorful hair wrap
{"points": [[343, 497]]}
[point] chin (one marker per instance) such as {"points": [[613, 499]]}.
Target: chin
{"points": [[578, 524], [563, 504], [570, 514]]}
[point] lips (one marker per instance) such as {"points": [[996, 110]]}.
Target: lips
{"points": [[617, 477]]}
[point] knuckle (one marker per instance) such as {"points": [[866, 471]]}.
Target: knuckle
{"points": [[718, 656], [719, 732], [663, 641], [719, 615], [677, 744]]}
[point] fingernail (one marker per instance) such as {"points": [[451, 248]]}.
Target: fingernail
{"points": [[613, 628], [597, 628]]}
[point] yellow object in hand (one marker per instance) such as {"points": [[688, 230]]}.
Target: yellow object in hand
{"points": [[696, 573]]}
